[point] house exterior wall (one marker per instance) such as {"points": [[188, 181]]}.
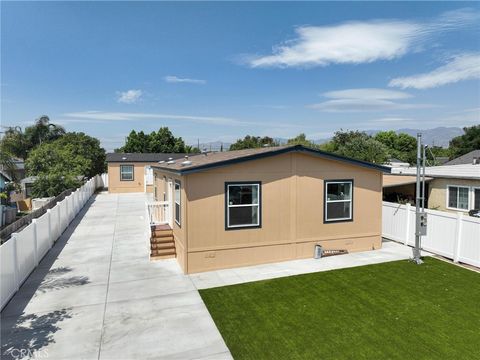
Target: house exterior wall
{"points": [[160, 181], [292, 212], [437, 197], [115, 185]]}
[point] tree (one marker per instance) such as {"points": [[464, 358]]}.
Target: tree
{"points": [[162, 141], [20, 143], [357, 145], [47, 185], [400, 146], [61, 163], [301, 139], [465, 143], [252, 142]]}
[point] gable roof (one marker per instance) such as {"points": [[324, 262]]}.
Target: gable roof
{"points": [[142, 157], [204, 162], [5, 175], [464, 159]]}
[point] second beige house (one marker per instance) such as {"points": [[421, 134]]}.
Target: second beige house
{"points": [[255, 206]]}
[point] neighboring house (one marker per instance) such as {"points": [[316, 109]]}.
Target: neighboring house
{"points": [[473, 157], [19, 172], [26, 185], [450, 187], [401, 188], [255, 206], [132, 172], [4, 179]]}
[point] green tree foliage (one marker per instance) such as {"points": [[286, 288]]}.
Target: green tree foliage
{"points": [[162, 141], [301, 139], [400, 146], [60, 163], [19, 143], [465, 143], [357, 145], [7, 163], [53, 184], [251, 142]]}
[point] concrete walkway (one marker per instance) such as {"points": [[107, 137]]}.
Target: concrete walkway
{"points": [[390, 251], [96, 295]]}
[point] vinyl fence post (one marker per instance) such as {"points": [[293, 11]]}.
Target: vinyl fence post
{"points": [[16, 271], [50, 235], [67, 212], [407, 223], [35, 242], [458, 237]]}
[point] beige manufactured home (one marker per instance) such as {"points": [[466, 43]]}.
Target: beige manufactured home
{"points": [[256, 206], [132, 172]]}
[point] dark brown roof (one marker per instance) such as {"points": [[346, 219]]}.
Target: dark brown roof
{"points": [[142, 157], [203, 162]]}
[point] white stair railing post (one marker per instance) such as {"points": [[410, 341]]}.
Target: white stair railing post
{"points": [[458, 237], [35, 242], [16, 270], [407, 222]]}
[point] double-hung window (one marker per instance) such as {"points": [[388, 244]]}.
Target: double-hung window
{"points": [[243, 205], [457, 197], [338, 200], [177, 202], [126, 172]]}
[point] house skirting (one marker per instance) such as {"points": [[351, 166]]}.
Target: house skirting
{"points": [[207, 260]]}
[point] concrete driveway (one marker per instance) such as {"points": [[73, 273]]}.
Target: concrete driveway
{"points": [[96, 295]]}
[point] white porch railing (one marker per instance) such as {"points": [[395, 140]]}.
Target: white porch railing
{"points": [[158, 212]]}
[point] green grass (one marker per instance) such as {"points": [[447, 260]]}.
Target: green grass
{"points": [[394, 310]]}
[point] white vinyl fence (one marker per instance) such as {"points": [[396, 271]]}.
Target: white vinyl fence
{"points": [[20, 255], [455, 236]]}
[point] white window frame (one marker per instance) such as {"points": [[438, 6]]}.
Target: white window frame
{"points": [[258, 205], [447, 197], [122, 173], [326, 202], [179, 203]]}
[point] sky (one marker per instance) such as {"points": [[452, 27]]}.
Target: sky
{"points": [[217, 71]]}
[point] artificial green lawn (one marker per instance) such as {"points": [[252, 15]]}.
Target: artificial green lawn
{"points": [[394, 310]]}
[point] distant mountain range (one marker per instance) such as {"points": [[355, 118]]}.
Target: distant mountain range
{"points": [[439, 136]]}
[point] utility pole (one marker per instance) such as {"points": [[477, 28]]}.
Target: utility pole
{"points": [[420, 214]]}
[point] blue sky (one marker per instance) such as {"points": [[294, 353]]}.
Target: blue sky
{"points": [[218, 71]]}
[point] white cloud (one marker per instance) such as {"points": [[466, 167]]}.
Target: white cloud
{"points": [[104, 116], [364, 100], [175, 79], [358, 41], [461, 67], [129, 96], [367, 93]]}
